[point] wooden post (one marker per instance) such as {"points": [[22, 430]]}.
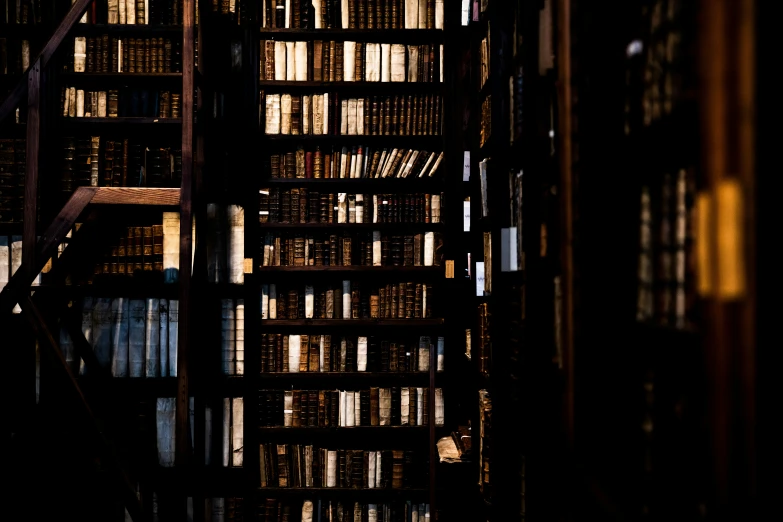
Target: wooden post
{"points": [[31, 170], [182, 457], [566, 209]]}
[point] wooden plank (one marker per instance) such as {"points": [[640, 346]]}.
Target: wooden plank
{"points": [[136, 196], [35, 319], [31, 167], [47, 247], [566, 210], [15, 97], [182, 457]]}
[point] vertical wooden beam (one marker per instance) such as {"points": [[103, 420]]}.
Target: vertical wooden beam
{"points": [[182, 457], [566, 208], [31, 171]]}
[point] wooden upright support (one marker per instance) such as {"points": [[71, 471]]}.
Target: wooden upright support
{"points": [[182, 457]]}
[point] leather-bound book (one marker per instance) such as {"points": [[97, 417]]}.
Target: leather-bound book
{"points": [[296, 408], [374, 406]]}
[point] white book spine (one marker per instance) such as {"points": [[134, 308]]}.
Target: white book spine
{"points": [[439, 409], [307, 511], [239, 337], [237, 431], [288, 408], [79, 103], [439, 14], [325, 112], [306, 115], [352, 123], [285, 114], [288, 14], [130, 11], [79, 54], [360, 206], [236, 245], [122, 11], [372, 512], [290, 61], [349, 61], [227, 341], [264, 301], [343, 117], [429, 248], [376, 240], [173, 336], [309, 296], [405, 405], [419, 406], [171, 247], [87, 328], [423, 301], [435, 209], [342, 417], [441, 354], [317, 8], [165, 415], [384, 406], [300, 62], [318, 114], [164, 337], [397, 64], [360, 120], [272, 301], [280, 61], [357, 409], [344, 13], [294, 351], [385, 62], [422, 14], [152, 338], [371, 470], [346, 299], [377, 469], [146, 12], [226, 432], [411, 14], [321, 353], [331, 469], [442, 64], [119, 336], [272, 125], [361, 354], [350, 413], [342, 207]]}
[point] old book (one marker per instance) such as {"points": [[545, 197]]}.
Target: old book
{"points": [[173, 336], [164, 336], [236, 244], [136, 337], [273, 115], [170, 247], [237, 431], [165, 413], [239, 337]]}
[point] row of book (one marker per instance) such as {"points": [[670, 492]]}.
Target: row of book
{"points": [[92, 161], [224, 429], [350, 300], [306, 466], [18, 12], [130, 337], [289, 353], [317, 353], [79, 103], [14, 55], [485, 443], [337, 61], [153, 248], [352, 14], [666, 269], [484, 339], [354, 162], [370, 249], [396, 406], [225, 243], [327, 114], [108, 54], [13, 165], [323, 510], [302, 206], [232, 336], [134, 12]]}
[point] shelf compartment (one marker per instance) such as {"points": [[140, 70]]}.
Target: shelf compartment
{"points": [[123, 120], [280, 380], [360, 35], [366, 184], [277, 270], [426, 141]]}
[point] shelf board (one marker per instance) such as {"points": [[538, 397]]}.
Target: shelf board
{"points": [[361, 35], [422, 227], [434, 270], [123, 120], [363, 87], [93, 29], [352, 492], [343, 323]]}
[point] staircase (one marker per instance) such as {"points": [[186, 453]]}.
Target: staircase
{"points": [[95, 208]]}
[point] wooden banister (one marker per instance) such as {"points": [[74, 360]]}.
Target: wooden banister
{"points": [[70, 19]]}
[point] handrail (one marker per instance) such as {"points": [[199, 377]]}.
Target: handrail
{"points": [[20, 90]]}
